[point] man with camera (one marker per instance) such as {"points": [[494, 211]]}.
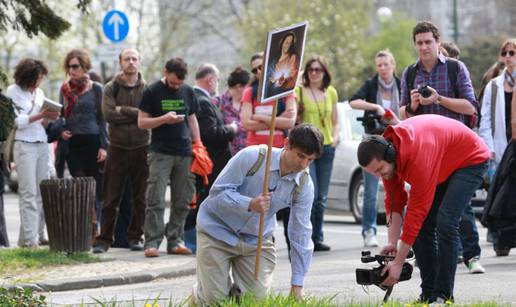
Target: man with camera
{"points": [[436, 84], [443, 161]]}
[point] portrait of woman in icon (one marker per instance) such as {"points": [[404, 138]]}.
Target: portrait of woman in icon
{"points": [[283, 69]]}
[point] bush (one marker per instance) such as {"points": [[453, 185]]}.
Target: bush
{"points": [[20, 297]]}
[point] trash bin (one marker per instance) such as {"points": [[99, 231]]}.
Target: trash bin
{"points": [[68, 205]]}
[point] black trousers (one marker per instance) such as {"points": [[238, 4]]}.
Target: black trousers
{"points": [[4, 240]]}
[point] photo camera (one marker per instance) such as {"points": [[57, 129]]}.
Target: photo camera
{"points": [[374, 276], [372, 123]]}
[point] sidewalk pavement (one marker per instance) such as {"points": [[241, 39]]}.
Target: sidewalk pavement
{"points": [[119, 266]]}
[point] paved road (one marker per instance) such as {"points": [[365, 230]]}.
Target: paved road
{"points": [[331, 274]]}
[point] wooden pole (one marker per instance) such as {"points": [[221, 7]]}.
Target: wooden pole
{"points": [[265, 188]]}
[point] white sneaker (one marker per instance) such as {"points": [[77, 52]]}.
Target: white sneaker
{"points": [[475, 267], [370, 238]]}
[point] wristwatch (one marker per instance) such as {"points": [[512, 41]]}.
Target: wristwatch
{"points": [[438, 101]]}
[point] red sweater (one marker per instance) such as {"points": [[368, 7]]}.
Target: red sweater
{"points": [[429, 149]]}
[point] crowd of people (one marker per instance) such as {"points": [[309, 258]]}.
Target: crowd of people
{"points": [[137, 138]]}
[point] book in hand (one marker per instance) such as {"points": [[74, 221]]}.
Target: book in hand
{"points": [[51, 105]]}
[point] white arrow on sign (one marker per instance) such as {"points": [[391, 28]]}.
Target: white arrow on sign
{"points": [[116, 21]]}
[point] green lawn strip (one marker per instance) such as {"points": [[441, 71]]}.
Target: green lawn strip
{"points": [[25, 260]]}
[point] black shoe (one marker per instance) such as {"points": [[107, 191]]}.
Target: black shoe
{"points": [[321, 247], [136, 246], [99, 249]]}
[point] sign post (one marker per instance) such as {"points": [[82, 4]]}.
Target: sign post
{"points": [[115, 26]]}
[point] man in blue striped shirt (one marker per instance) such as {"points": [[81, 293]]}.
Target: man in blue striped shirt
{"points": [[228, 220]]}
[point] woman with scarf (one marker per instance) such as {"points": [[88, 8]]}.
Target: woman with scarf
{"points": [[375, 96], [85, 128], [317, 104], [256, 117], [496, 100]]}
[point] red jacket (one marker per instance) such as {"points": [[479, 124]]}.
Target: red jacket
{"points": [[429, 149]]}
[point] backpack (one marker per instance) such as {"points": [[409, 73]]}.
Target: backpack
{"points": [[258, 163], [452, 65], [7, 117]]}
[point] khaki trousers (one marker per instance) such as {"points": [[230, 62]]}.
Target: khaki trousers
{"points": [[219, 265]]}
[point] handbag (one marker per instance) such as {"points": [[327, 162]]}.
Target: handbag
{"points": [[8, 145], [301, 107], [7, 150]]}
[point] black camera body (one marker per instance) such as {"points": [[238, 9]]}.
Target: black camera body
{"points": [[424, 91], [367, 277], [372, 123]]}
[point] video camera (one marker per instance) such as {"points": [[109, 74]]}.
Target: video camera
{"points": [[367, 277], [372, 123]]}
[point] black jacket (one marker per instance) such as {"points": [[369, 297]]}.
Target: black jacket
{"points": [[369, 90], [500, 206], [214, 133]]}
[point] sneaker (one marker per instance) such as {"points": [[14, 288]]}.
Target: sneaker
{"points": [[321, 247], [179, 250], [502, 252], [370, 238], [136, 246], [475, 267], [151, 252], [99, 249]]}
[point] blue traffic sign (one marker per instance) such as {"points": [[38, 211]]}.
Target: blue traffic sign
{"points": [[115, 26]]}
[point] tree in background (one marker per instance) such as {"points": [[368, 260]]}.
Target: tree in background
{"points": [[479, 55], [33, 17], [337, 30], [395, 34]]}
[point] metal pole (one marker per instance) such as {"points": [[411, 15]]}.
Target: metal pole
{"points": [[455, 22]]}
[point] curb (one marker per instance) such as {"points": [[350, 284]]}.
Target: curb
{"points": [[107, 281]]}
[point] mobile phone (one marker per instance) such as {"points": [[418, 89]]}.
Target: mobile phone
{"points": [[180, 116]]}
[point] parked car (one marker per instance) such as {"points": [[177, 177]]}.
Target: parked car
{"points": [[346, 190]]}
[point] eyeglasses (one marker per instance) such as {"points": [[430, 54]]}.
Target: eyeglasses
{"points": [[510, 53], [255, 70], [74, 66], [316, 70]]}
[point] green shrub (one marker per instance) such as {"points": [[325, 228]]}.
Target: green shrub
{"points": [[20, 297]]}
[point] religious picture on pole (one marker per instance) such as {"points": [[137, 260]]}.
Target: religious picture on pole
{"points": [[283, 58]]}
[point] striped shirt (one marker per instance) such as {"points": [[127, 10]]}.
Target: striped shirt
{"points": [[224, 215], [438, 79]]}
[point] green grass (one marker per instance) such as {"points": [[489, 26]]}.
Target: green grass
{"points": [[24, 260]]}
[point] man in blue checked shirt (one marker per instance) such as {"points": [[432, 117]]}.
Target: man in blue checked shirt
{"points": [[447, 98], [228, 220]]}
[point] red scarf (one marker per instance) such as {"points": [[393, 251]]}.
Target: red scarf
{"points": [[71, 91]]}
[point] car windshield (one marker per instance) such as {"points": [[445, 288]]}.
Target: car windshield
{"points": [[356, 127]]}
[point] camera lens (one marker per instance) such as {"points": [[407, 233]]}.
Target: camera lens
{"points": [[424, 91]]}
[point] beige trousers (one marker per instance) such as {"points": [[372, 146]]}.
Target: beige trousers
{"points": [[219, 265]]}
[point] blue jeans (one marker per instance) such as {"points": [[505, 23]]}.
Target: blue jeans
{"points": [[320, 171], [436, 246], [369, 207], [468, 244]]}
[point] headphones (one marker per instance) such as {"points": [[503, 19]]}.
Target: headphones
{"points": [[389, 153]]}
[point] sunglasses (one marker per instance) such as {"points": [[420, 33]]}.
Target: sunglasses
{"points": [[255, 70], [510, 52], [316, 70], [74, 66]]}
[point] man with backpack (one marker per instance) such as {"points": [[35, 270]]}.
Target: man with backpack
{"points": [[436, 84], [127, 152], [228, 220]]}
